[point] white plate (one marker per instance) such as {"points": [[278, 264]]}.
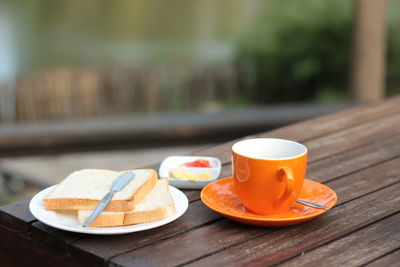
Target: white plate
{"points": [[174, 162], [68, 220]]}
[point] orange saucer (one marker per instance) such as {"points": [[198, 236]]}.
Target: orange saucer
{"points": [[220, 197]]}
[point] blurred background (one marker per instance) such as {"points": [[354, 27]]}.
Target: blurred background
{"points": [[103, 83]]}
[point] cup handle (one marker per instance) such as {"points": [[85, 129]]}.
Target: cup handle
{"points": [[285, 173]]}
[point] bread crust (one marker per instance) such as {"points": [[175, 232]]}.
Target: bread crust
{"points": [[149, 215], [144, 189], [108, 220], [131, 217], [120, 218], [118, 205]]}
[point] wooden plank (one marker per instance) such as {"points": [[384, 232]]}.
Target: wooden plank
{"points": [[317, 127], [338, 160], [61, 239], [373, 150], [53, 237], [176, 251], [190, 245], [205, 226], [375, 153], [362, 157], [366, 180], [289, 242], [348, 161], [355, 249], [43, 232], [353, 137], [8, 246], [104, 247], [192, 195], [390, 260], [19, 250], [336, 142], [16, 216], [350, 137]]}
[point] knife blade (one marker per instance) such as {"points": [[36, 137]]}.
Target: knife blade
{"points": [[119, 183]]}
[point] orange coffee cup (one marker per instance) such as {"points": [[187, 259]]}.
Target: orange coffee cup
{"points": [[268, 173]]}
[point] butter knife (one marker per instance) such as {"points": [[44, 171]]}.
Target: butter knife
{"points": [[119, 183]]}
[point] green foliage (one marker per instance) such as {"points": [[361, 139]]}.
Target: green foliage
{"points": [[393, 49], [303, 55]]}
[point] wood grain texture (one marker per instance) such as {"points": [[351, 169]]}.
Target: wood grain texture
{"points": [[364, 156], [391, 259], [335, 164], [377, 155], [346, 162], [215, 235], [289, 242], [355, 152], [355, 249], [192, 195], [8, 246], [359, 160], [318, 127], [17, 217], [19, 250], [105, 247], [191, 245], [53, 237], [353, 137], [366, 181]]}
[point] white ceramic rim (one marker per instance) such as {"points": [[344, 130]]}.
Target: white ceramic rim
{"points": [[237, 146], [36, 207]]}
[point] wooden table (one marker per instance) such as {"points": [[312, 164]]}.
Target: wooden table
{"points": [[355, 152]]}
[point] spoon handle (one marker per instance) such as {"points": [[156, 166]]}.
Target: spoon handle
{"points": [[318, 206]]}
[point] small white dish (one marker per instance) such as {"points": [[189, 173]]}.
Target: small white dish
{"points": [[174, 162], [68, 220]]}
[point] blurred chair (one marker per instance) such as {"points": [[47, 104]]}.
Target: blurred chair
{"points": [[64, 93], [69, 93]]}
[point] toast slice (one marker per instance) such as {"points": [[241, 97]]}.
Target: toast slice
{"points": [[157, 205], [83, 189]]}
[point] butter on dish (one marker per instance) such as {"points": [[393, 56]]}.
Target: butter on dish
{"points": [[190, 172]]}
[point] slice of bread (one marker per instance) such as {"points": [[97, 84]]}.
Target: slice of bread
{"points": [[158, 204], [83, 189]]}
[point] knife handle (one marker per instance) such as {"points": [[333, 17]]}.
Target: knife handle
{"points": [[99, 208]]}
